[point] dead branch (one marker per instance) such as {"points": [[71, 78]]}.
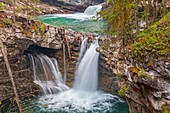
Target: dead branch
{"points": [[4, 53]]}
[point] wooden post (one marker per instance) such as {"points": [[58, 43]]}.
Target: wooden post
{"points": [[11, 76]]}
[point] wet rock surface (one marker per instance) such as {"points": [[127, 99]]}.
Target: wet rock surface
{"points": [[147, 79], [50, 43], [66, 6]]}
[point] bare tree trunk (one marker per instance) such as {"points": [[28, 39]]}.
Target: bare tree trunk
{"points": [[64, 55], [163, 4], [136, 17], [66, 43], [150, 10], [68, 47], [13, 4], [11, 76], [146, 11], [154, 10]]}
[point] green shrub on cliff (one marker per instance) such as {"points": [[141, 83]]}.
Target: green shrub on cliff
{"points": [[1, 5], [118, 17], [154, 40], [123, 90], [165, 108]]}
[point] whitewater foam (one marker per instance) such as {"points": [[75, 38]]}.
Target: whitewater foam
{"points": [[47, 74], [80, 102], [89, 13]]}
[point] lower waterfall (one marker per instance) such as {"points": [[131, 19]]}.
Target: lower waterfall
{"points": [[47, 74], [84, 96]]}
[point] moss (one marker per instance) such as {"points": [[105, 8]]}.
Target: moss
{"points": [[141, 72], [123, 90], [105, 44], [165, 109], [154, 40], [137, 70], [118, 75], [7, 21], [1, 6]]}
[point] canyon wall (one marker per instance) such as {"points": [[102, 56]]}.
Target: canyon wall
{"points": [[142, 68], [17, 45]]}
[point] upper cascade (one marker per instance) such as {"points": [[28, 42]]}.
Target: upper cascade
{"points": [[93, 10], [83, 49]]}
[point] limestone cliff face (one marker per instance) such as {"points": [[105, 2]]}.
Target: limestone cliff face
{"points": [[89, 2], [148, 93], [107, 78], [18, 44], [144, 73], [67, 5]]}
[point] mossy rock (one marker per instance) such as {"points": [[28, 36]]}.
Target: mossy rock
{"points": [[123, 90], [165, 108], [154, 40]]}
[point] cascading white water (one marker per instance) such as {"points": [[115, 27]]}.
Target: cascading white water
{"points": [[47, 74], [89, 13], [93, 10], [83, 97], [83, 49], [87, 70]]}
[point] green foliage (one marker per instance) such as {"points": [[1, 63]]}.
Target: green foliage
{"points": [[29, 6], [122, 18], [7, 21], [165, 109], [123, 90], [118, 17], [137, 70], [105, 44], [141, 72], [154, 40], [41, 29], [25, 6], [118, 75], [1, 5]]}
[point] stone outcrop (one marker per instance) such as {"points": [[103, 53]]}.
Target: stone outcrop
{"points": [[16, 45], [65, 5], [148, 88], [49, 9], [107, 78], [23, 35], [108, 65], [70, 4], [143, 78]]}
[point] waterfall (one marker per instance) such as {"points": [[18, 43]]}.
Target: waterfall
{"points": [[83, 49], [89, 12], [83, 97], [47, 74], [93, 10], [87, 70]]}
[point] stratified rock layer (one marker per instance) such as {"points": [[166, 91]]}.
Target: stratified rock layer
{"points": [[144, 71], [17, 44]]}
